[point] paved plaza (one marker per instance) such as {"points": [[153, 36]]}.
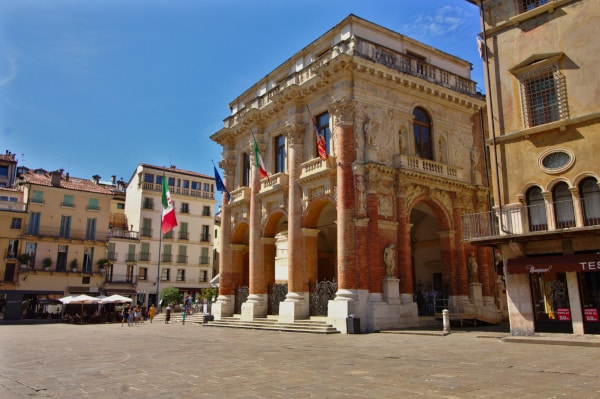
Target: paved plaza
{"points": [[193, 361]]}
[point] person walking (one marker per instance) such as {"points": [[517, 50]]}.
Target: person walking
{"points": [[151, 312], [124, 314], [131, 316], [168, 315]]}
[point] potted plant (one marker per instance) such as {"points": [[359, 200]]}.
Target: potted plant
{"points": [[24, 260], [47, 262], [74, 265], [102, 263]]}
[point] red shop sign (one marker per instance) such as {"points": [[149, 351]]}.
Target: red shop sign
{"points": [[590, 314], [564, 314]]}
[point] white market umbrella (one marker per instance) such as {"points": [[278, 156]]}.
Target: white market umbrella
{"points": [[116, 298]]}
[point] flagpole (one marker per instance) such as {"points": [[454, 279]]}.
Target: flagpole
{"points": [[162, 210]]}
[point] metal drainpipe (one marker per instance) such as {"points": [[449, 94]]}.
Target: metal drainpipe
{"points": [[487, 65]]}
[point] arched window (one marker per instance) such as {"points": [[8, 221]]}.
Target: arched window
{"points": [[563, 206], [536, 210], [422, 132], [590, 201]]}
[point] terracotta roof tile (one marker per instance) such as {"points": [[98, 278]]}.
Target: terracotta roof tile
{"points": [[70, 183]]}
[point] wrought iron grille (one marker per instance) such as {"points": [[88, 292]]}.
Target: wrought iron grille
{"points": [[277, 293], [320, 295], [241, 295]]}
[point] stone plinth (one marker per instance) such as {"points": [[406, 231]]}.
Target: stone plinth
{"points": [[475, 294], [391, 290]]}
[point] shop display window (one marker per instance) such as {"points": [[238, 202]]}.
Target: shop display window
{"points": [[550, 296], [589, 291]]}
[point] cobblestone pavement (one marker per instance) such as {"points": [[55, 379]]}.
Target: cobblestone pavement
{"points": [[191, 361]]}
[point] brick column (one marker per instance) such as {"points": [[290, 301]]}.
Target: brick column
{"points": [[344, 146], [310, 257], [268, 244], [296, 274]]}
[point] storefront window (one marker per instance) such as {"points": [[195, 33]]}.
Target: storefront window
{"points": [[589, 291], [551, 302]]}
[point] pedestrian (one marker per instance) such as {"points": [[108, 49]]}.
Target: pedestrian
{"points": [[137, 315], [168, 315], [144, 312], [131, 316], [183, 316], [151, 312], [124, 315]]}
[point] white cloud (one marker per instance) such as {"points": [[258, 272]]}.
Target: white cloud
{"points": [[11, 72], [443, 21]]}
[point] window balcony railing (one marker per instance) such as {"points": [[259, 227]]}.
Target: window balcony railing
{"points": [[531, 219], [120, 279], [429, 167], [146, 232], [184, 235], [179, 190], [166, 258], [144, 256], [204, 260], [126, 234], [182, 258], [130, 257], [68, 234], [240, 194], [12, 206], [111, 255]]}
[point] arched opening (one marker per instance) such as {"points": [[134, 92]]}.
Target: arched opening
{"points": [[536, 209], [564, 212], [422, 133], [430, 286], [590, 201]]}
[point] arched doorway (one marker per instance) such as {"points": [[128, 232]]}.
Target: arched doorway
{"points": [[429, 285], [322, 272]]}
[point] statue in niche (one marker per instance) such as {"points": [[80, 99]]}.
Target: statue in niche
{"points": [[472, 268], [389, 261], [362, 195]]}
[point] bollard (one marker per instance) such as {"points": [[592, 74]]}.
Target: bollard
{"points": [[446, 321]]}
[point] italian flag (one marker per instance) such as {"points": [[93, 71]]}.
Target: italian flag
{"points": [[259, 162], [169, 221]]}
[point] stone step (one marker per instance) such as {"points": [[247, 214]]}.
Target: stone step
{"points": [[306, 326]]}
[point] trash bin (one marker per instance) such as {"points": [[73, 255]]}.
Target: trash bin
{"points": [[353, 324]]}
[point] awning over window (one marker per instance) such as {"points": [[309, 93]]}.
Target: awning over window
{"points": [[555, 264]]}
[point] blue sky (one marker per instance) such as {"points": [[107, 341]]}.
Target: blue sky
{"points": [[99, 86]]}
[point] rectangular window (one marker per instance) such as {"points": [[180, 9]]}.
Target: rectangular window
{"points": [[148, 203], [204, 259], [3, 170], [167, 255], [93, 204], [185, 207], [323, 128], [171, 181], [143, 273], [111, 253], [88, 259], [543, 96], [145, 252], [13, 247], [61, 258], [196, 185], [146, 227], [205, 233], [68, 201], [182, 255], [148, 178], [279, 154], [168, 236], [15, 223], [131, 252], [65, 227], [203, 275], [183, 231], [34, 223], [159, 180], [206, 211], [180, 274], [90, 229], [246, 169], [185, 184], [527, 5], [207, 187], [37, 197], [165, 274], [120, 205]]}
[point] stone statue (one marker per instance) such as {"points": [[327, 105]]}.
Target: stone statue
{"points": [[472, 267], [388, 259]]}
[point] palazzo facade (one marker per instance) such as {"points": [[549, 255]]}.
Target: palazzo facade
{"points": [[541, 62], [374, 231]]}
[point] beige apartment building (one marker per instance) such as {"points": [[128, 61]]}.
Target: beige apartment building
{"points": [[541, 58], [56, 235], [374, 231], [181, 258]]}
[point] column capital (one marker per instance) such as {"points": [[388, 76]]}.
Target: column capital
{"points": [[342, 110], [306, 232], [294, 132]]}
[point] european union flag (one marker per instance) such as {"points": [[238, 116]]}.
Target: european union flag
{"points": [[220, 186]]}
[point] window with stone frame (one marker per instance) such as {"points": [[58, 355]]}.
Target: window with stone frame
{"points": [[422, 134], [279, 154], [543, 92], [528, 5], [245, 169]]}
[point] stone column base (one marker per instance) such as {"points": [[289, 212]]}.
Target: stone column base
{"points": [[254, 307], [391, 290], [224, 306], [295, 307], [475, 294]]}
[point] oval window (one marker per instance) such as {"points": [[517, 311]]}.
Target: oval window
{"points": [[556, 161]]}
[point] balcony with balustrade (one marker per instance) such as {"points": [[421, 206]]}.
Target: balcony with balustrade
{"points": [[522, 222]]}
